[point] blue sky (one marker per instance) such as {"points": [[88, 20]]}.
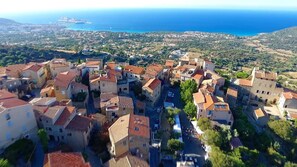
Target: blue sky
{"points": [[21, 6]]}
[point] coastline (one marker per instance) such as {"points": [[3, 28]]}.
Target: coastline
{"points": [[233, 22]]}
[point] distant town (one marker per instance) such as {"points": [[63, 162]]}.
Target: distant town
{"points": [[180, 113]]}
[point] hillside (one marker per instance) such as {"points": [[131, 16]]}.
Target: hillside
{"points": [[284, 39], [4, 21]]}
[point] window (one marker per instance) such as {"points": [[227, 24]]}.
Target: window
{"points": [[50, 129], [63, 92], [268, 93], [124, 108], [62, 137], [7, 116], [69, 134], [28, 114], [103, 84], [61, 130], [124, 143], [9, 124], [286, 106], [257, 91], [136, 129], [57, 87], [144, 145], [263, 92]]}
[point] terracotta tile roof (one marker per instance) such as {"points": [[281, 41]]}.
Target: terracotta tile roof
{"points": [[33, 67], [126, 102], [114, 72], [134, 69], [126, 161], [154, 69], [152, 84], [293, 115], [199, 97], [259, 113], [197, 76], [65, 115], [209, 102], [265, 75], [169, 63], [106, 96], [12, 102], [108, 78], [51, 112], [111, 65], [59, 159], [139, 126], [244, 82], [290, 95], [92, 63], [15, 70], [79, 123], [65, 78], [130, 125], [56, 63], [77, 85], [232, 92], [4, 94]]}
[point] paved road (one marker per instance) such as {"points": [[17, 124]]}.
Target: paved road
{"points": [[192, 145], [38, 156]]}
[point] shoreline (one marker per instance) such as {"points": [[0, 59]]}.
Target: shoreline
{"points": [[168, 31]]}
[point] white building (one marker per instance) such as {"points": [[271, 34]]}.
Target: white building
{"points": [[17, 119]]}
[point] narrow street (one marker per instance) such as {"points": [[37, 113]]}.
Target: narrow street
{"points": [[192, 145]]}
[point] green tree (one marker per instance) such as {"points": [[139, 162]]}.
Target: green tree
{"points": [[242, 74], [190, 109], [275, 158], [282, 128], [43, 139], [187, 89], [249, 157], [220, 159], [290, 164], [204, 123], [212, 137], [175, 145], [4, 163]]}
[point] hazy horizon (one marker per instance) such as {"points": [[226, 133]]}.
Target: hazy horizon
{"points": [[37, 6]]}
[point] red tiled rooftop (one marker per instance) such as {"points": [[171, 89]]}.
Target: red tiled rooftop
{"points": [[12, 102], [79, 123], [64, 79], [134, 69], [199, 97], [65, 115], [139, 126], [232, 92], [108, 78], [290, 95], [33, 67], [265, 75], [6, 95], [153, 83], [169, 63], [245, 82], [59, 159]]}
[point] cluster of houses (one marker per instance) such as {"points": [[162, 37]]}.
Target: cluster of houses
{"points": [[64, 91], [61, 102]]}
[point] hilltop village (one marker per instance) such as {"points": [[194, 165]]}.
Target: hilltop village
{"points": [[181, 113]]}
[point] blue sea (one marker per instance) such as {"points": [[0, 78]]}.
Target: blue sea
{"points": [[236, 22]]}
